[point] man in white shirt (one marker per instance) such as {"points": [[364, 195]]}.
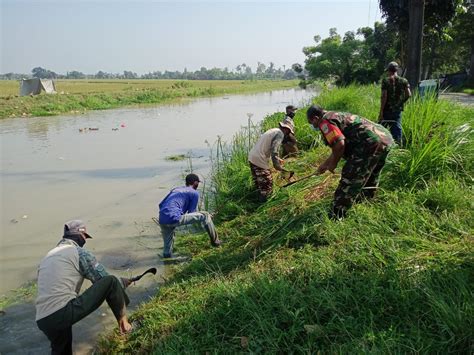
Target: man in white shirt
{"points": [[60, 277], [259, 156]]}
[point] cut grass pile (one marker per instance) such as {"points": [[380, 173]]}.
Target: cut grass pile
{"points": [[75, 96], [395, 276]]}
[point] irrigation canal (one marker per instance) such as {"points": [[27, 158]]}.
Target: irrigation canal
{"points": [[54, 169]]}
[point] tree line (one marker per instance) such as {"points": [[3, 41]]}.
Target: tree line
{"points": [[361, 56], [241, 72]]}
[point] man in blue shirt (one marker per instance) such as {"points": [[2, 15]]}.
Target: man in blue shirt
{"points": [[178, 208]]}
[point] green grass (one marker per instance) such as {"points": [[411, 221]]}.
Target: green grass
{"points": [[22, 294], [78, 96], [395, 276]]}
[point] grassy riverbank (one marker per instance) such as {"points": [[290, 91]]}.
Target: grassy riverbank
{"points": [[395, 276], [76, 96]]}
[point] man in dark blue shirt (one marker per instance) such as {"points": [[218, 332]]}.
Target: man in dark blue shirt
{"points": [[178, 208]]}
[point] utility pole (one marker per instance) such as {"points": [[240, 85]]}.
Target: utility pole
{"points": [[416, 12]]}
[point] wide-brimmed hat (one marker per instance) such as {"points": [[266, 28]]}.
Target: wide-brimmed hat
{"points": [[74, 227], [288, 124]]}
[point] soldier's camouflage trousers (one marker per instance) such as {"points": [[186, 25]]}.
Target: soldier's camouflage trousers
{"points": [[263, 181], [359, 179]]}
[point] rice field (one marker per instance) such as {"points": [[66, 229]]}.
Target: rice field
{"points": [[76, 96]]}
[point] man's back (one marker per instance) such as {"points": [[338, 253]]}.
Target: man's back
{"points": [[360, 133], [395, 87], [260, 154], [59, 279], [179, 201]]}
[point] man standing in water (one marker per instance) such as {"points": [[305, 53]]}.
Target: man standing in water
{"points": [[60, 277], [178, 208], [395, 92], [289, 144], [267, 147], [363, 144]]}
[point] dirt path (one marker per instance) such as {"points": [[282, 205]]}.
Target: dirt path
{"points": [[464, 99]]}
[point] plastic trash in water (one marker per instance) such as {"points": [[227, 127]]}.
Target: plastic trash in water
{"points": [[24, 216], [122, 125]]}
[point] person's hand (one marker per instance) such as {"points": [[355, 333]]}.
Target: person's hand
{"points": [[322, 168], [290, 173], [125, 282], [327, 165], [281, 161]]}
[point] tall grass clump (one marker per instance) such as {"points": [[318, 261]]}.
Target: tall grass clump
{"points": [[395, 276], [230, 181], [437, 140]]}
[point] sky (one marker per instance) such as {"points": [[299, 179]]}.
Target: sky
{"points": [[145, 35]]}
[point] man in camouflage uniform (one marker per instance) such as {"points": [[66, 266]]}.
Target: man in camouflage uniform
{"points": [[267, 147], [363, 144], [395, 92], [289, 144]]}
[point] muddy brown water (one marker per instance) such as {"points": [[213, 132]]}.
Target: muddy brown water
{"points": [[54, 169]]}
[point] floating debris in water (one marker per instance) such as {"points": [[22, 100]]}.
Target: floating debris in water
{"points": [[25, 216], [13, 220], [93, 129], [176, 157]]}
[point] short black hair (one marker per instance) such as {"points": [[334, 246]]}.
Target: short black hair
{"points": [[290, 107], [314, 110], [191, 179]]}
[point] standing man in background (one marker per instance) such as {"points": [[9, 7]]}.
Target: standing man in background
{"points": [[395, 92], [289, 144], [178, 208]]}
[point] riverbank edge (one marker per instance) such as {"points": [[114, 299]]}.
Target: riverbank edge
{"points": [[61, 104], [393, 277]]}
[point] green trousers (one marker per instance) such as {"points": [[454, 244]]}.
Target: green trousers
{"points": [[58, 326]]}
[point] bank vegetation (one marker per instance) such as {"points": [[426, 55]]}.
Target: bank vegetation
{"points": [[395, 276]]}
